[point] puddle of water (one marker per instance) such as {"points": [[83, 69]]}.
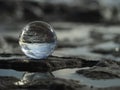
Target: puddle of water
{"points": [[68, 74], [71, 74], [11, 73]]}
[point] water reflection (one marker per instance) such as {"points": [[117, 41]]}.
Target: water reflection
{"points": [[29, 77], [24, 77]]}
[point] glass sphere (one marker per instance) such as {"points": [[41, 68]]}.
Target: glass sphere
{"points": [[38, 40]]}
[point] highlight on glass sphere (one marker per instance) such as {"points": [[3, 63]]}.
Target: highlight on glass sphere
{"points": [[38, 40]]}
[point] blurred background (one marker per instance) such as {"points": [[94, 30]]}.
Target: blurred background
{"points": [[85, 11], [78, 17], [89, 29]]}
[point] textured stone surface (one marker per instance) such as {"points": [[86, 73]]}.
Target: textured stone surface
{"points": [[106, 69], [47, 84], [50, 64]]}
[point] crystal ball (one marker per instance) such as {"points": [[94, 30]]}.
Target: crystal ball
{"points": [[38, 40]]}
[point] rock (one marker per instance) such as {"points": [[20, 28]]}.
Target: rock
{"points": [[107, 69], [62, 84], [50, 64], [7, 82]]}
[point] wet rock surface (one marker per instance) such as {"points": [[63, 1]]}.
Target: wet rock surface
{"points": [[106, 69], [47, 84], [50, 64]]}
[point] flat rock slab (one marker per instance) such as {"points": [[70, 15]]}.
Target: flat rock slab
{"points": [[50, 64]]}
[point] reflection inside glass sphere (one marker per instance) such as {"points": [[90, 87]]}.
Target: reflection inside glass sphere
{"points": [[38, 40]]}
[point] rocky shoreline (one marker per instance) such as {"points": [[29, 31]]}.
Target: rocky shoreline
{"points": [[96, 50]]}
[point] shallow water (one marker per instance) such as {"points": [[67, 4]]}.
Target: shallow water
{"points": [[11, 73], [70, 74], [66, 74]]}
